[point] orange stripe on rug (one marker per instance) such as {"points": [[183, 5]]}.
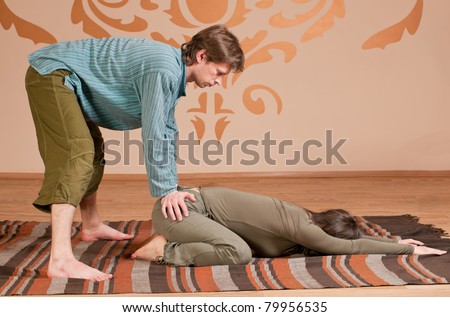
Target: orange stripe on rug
{"points": [[264, 268], [6, 284], [414, 260], [86, 286], [251, 276], [359, 265], [346, 274], [39, 286], [27, 266], [169, 279], [205, 279], [23, 281], [183, 278], [283, 272], [45, 282], [124, 265], [100, 256], [123, 274], [402, 261], [143, 233], [20, 235], [330, 273]]}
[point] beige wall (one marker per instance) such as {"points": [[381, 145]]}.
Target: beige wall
{"points": [[314, 65]]}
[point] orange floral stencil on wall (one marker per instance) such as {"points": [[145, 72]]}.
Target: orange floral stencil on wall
{"points": [[395, 32], [306, 19], [79, 15], [24, 28]]}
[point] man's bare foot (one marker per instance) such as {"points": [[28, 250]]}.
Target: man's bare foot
{"points": [[72, 268], [103, 232], [152, 249]]}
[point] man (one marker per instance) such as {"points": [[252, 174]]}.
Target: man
{"points": [[116, 83]]}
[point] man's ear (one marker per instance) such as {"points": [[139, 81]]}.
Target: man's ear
{"points": [[200, 56]]}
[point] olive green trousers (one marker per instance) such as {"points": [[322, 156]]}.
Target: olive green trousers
{"points": [[70, 146], [198, 240]]}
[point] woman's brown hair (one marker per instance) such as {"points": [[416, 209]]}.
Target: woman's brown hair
{"points": [[338, 223], [221, 46]]}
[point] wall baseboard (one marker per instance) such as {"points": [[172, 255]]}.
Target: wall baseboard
{"points": [[297, 174]]}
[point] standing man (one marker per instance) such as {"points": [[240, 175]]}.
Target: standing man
{"points": [[121, 84]]}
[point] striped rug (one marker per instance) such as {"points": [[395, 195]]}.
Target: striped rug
{"points": [[25, 247]]}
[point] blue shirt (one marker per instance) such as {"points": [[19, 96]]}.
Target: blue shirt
{"points": [[123, 84]]}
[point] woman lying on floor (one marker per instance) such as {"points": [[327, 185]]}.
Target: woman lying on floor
{"points": [[227, 226]]}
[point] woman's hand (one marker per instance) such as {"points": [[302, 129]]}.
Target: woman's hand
{"points": [[420, 248], [173, 205], [410, 241], [423, 250]]}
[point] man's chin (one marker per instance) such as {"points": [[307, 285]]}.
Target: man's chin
{"points": [[203, 85], [200, 85]]}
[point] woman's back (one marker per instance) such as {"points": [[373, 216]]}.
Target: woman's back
{"points": [[267, 224]]}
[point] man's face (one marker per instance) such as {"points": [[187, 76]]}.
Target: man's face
{"points": [[208, 74]]}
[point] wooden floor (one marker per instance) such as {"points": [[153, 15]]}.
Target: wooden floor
{"points": [[427, 197]]}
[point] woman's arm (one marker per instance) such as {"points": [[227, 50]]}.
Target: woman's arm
{"points": [[384, 239], [419, 247], [312, 237]]}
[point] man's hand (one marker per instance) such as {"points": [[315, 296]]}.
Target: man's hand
{"points": [[173, 205]]}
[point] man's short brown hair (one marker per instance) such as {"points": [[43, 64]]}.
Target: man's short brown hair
{"points": [[221, 46]]}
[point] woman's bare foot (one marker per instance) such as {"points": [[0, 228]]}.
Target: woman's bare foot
{"points": [[72, 268], [103, 232], [152, 249]]}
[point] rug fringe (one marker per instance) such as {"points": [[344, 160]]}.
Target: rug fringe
{"points": [[439, 231]]}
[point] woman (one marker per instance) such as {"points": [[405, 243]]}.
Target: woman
{"points": [[227, 226]]}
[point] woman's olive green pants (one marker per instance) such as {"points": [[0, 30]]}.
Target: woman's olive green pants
{"points": [[198, 240]]}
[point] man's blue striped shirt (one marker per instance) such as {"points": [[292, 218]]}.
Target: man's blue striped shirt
{"points": [[123, 84]]}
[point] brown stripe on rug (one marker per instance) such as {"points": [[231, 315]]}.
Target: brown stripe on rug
{"points": [[25, 250]]}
